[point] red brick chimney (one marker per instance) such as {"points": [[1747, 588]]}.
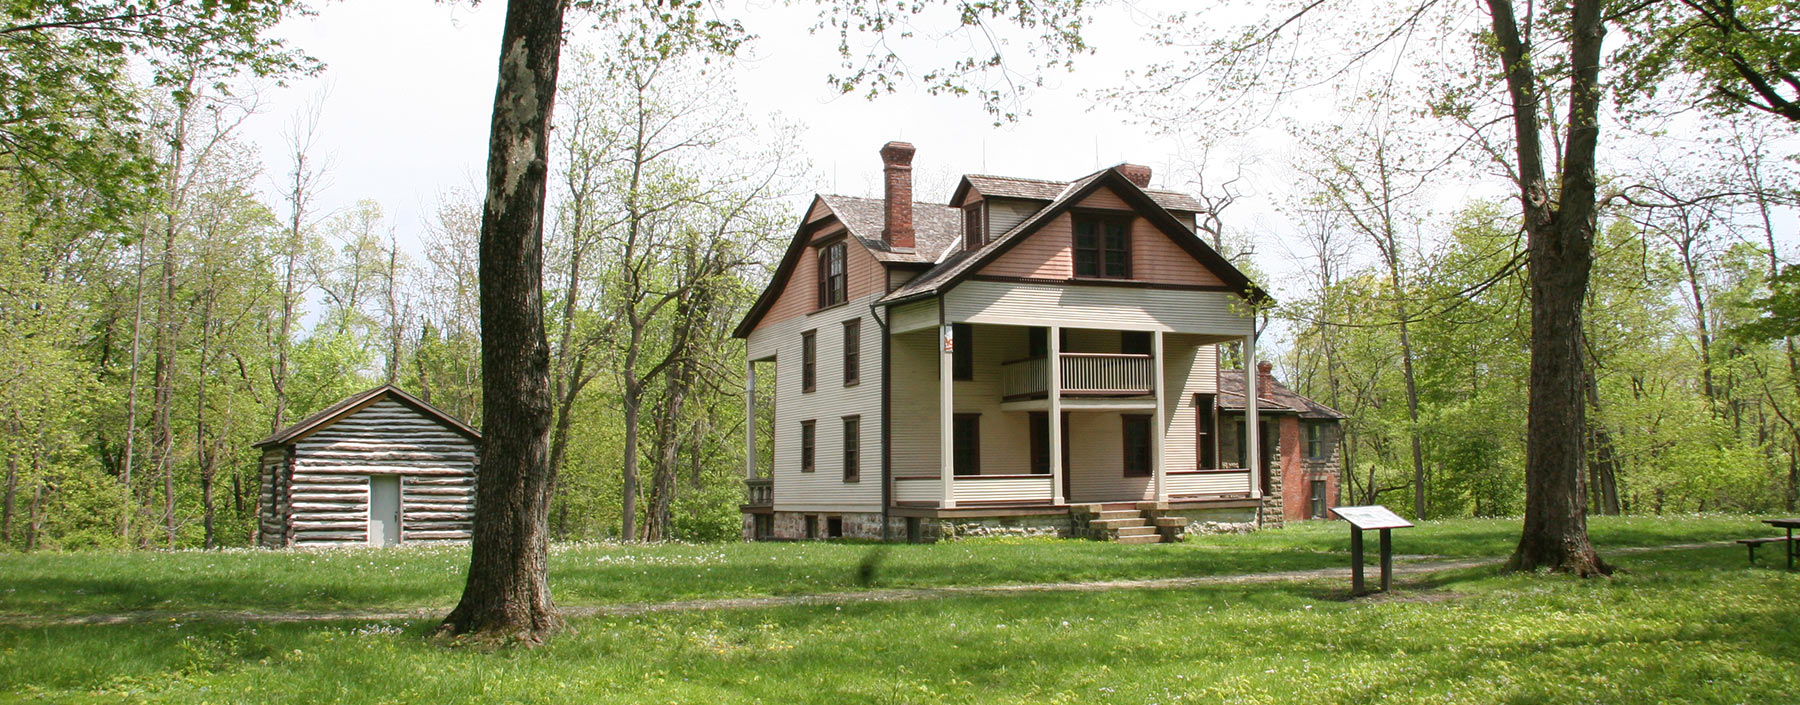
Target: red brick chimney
{"points": [[1265, 378], [897, 198], [1136, 173]]}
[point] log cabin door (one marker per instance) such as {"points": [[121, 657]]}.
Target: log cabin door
{"points": [[384, 510]]}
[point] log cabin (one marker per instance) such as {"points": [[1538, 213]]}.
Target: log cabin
{"points": [[918, 352], [380, 468]]}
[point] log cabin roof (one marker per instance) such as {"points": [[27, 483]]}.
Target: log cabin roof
{"points": [[357, 402], [1279, 399], [959, 265]]}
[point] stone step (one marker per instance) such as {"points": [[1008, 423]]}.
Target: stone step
{"points": [[1150, 538], [1172, 522], [1137, 531], [1118, 514], [1110, 524]]}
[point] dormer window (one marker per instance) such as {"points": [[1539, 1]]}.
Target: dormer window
{"points": [[833, 284], [974, 225], [1102, 245]]}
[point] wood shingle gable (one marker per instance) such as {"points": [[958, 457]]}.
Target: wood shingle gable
{"points": [[961, 266]]}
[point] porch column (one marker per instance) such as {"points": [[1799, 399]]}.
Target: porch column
{"points": [[1252, 423], [1158, 468], [749, 418], [1054, 365], [947, 414]]}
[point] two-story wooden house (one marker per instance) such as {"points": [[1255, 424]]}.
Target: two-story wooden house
{"points": [[920, 352]]}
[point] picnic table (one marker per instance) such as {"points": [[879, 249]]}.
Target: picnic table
{"points": [[1789, 547]]}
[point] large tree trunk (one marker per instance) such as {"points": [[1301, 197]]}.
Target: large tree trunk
{"points": [[1560, 232], [507, 596]]}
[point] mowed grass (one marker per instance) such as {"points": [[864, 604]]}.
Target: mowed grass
{"points": [[50, 585], [1685, 626]]}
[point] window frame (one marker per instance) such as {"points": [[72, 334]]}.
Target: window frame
{"points": [[809, 446], [853, 448], [1126, 421], [973, 451], [852, 352], [1103, 255], [962, 354], [1316, 501], [975, 225], [833, 289], [1206, 431], [809, 360], [1315, 440]]}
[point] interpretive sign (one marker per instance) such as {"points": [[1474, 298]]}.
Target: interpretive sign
{"points": [[1372, 517]]}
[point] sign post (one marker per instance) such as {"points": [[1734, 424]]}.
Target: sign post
{"points": [[1372, 517]]}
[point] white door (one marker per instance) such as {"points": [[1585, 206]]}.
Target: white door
{"points": [[384, 510]]}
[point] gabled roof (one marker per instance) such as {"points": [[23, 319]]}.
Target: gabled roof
{"points": [[357, 402], [1044, 190], [1279, 398], [936, 227], [960, 265]]}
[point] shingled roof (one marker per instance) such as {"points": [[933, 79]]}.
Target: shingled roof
{"points": [[1277, 399], [1045, 190], [936, 227], [357, 402]]}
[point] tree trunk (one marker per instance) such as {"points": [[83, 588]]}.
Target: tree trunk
{"points": [[1560, 238], [1603, 483], [507, 595]]}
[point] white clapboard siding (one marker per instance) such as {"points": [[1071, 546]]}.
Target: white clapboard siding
{"points": [[824, 489], [974, 490], [919, 315], [1190, 367], [914, 402], [1097, 461], [1006, 213], [1103, 307], [918, 490], [1208, 483]]}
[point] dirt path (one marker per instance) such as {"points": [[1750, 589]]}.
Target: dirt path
{"points": [[1412, 567]]}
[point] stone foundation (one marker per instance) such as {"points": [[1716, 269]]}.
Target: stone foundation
{"points": [[931, 530], [791, 526], [1182, 524]]}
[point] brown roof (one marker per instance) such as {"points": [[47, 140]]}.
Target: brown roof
{"points": [[1279, 399], [1045, 190], [356, 402], [936, 227]]}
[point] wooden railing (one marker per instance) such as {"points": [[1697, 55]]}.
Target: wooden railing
{"points": [[1082, 373], [759, 491]]}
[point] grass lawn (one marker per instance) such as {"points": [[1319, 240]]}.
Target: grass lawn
{"points": [[1686, 626], [590, 574]]}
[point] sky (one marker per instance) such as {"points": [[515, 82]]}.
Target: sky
{"points": [[408, 87]]}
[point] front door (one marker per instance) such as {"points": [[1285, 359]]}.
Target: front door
{"points": [[384, 510]]}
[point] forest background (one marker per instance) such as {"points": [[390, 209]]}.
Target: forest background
{"points": [[173, 291]]}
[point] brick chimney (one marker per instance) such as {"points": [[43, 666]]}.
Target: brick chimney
{"points": [[1265, 377], [1136, 173], [897, 198]]}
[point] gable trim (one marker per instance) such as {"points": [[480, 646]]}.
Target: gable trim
{"points": [[357, 402], [797, 247]]}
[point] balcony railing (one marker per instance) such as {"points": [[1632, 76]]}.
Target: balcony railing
{"points": [[759, 491], [1082, 373]]}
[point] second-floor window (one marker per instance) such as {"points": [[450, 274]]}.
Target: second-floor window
{"points": [[1315, 441], [834, 285], [809, 361], [852, 351], [808, 440], [1102, 246]]}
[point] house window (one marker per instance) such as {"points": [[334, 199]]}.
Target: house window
{"points": [[1318, 499], [809, 360], [1102, 246], [974, 225], [1206, 431], [812, 526], [808, 437], [1136, 438], [1315, 441], [834, 527], [1136, 342], [966, 453], [1040, 442], [852, 352], [962, 355], [833, 284], [852, 448]]}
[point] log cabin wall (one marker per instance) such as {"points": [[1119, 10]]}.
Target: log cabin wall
{"points": [[325, 498]]}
